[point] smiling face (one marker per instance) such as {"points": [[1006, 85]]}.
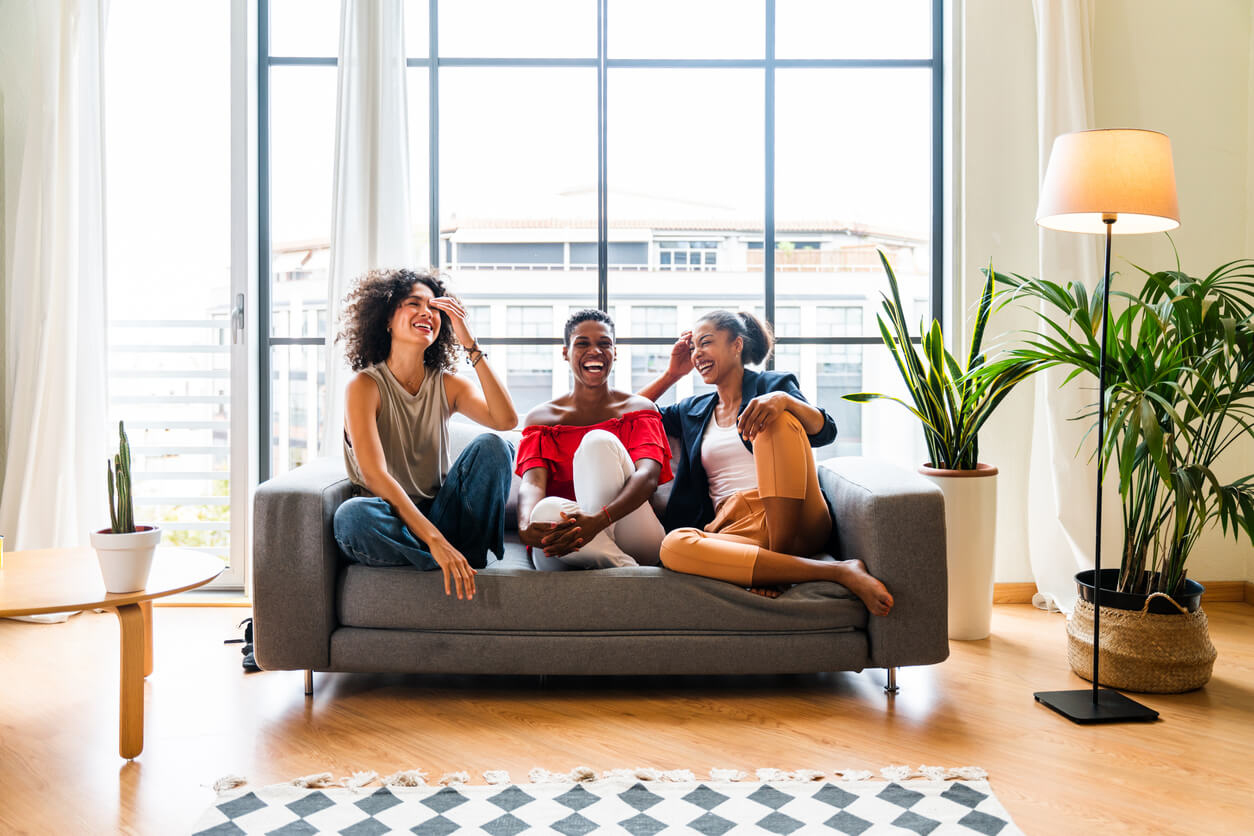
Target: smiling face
{"points": [[591, 353], [715, 352], [414, 322]]}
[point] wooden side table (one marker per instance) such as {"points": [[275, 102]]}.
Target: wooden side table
{"points": [[59, 580]]}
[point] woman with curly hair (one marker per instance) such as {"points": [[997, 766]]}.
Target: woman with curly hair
{"points": [[412, 507], [746, 506]]}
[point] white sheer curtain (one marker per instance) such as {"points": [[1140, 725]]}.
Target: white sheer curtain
{"points": [[1062, 482], [54, 330], [370, 202]]}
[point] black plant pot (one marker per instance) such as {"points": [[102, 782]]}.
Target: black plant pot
{"points": [[1191, 599]]}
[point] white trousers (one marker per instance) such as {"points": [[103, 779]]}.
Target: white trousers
{"points": [[601, 467]]}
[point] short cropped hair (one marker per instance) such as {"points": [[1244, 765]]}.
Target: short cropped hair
{"points": [[587, 315]]}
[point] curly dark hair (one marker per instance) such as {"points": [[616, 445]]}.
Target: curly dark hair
{"points": [[368, 308]]}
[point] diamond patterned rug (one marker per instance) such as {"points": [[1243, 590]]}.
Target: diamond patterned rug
{"points": [[640, 808]]}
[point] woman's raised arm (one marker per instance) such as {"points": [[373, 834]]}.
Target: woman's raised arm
{"points": [[492, 407], [680, 364]]}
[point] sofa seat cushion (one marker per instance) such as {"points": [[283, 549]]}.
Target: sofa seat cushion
{"points": [[638, 599]]}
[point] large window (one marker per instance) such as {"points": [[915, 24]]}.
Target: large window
{"points": [[648, 362], [653, 158], [171, 360], [529, 368]]}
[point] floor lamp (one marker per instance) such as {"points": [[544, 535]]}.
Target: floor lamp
{"points": [[1111, 182]]}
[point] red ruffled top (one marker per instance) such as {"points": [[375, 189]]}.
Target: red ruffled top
{"points": [[553, 447]]}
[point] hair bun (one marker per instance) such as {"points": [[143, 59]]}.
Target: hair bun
{"points": [[759, 340]]}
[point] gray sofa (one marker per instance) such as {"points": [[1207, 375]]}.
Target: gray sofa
{"points": [[314, 611]]}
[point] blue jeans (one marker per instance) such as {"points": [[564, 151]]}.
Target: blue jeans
{"points": [[468, 509]]}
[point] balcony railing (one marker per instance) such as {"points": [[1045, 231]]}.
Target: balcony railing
{"points": [[514, 266], [169, 381]]}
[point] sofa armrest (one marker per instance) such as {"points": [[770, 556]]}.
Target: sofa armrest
{"points": [[296, 566], [894, 522]]}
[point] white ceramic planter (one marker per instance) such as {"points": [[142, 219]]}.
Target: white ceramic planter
{"points": [[125, 559], [970, 535]]}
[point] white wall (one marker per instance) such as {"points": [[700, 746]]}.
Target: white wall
{"points": [[998, 171], [1182, 68]]}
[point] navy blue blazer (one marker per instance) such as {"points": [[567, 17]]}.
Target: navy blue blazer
{"points": [[690, 504]]}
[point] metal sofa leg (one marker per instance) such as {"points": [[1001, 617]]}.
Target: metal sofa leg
{"points": [[309, 683], [890, 687]]}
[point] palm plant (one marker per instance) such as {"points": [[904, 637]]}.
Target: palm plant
{"points": [[951, 402], [1181, 393]]}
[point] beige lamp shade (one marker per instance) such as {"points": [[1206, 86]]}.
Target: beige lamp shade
{"points": [[1124, 173]]}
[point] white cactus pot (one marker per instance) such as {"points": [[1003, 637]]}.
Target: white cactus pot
{"points": [[970, 536], [126, 559]]}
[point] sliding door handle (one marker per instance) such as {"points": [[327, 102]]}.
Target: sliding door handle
{"points": [[237, 320]]}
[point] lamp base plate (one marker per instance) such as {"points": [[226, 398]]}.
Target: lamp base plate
{"points": [[1111, 706]]}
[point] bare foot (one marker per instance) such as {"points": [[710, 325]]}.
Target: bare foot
{"points": [[874, 594], [767, 591]]}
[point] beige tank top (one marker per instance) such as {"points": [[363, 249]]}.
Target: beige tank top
{"points": [[413, 430]]}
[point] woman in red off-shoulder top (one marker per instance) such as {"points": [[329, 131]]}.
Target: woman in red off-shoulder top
{"points": [[589, 462]]}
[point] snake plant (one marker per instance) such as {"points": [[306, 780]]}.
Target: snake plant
{"points": [[951, 402]]}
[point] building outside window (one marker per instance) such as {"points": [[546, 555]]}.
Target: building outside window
{"points": [[529, 368], [840, 373], [648, 362], [623, 255], [524, 154], [787, 324], [687, 255]]}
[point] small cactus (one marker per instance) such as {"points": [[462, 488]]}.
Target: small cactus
{"points": [[121, 501]]}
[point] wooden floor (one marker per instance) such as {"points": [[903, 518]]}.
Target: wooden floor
{"points": [[60, 772]]}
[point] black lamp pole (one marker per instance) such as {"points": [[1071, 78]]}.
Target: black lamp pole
{"points": [[1098, 706]]}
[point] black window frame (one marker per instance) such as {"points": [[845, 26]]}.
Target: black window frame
{"points": [[602, 63]]}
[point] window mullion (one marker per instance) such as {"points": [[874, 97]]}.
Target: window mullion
{"points": [[434, 248], [768, 232], [603, 222], [263, 241]]}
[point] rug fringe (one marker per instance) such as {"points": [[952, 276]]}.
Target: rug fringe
{"points": [[228, 782], [852, 774], [359, 780], [727, 775], [586, 774], [648, 774], [406, 778]]}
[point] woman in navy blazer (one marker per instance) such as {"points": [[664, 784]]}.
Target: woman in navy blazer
{"points": [[746, 506]]}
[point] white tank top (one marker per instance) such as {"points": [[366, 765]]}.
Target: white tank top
{"points": [[727, 463]]}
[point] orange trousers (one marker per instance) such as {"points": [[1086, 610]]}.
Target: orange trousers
{"points": [[728, 547]]}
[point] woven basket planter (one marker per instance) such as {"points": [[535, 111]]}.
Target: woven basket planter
{"points": [[1143, 651]]}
